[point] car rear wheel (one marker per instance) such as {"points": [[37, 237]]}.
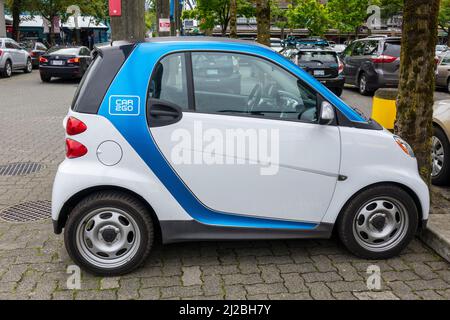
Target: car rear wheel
{"points": [[379, 222], [7, 71], [440, 156], [45, 78], [109, 233], [362, 85], [448, 85], [28, 67]]}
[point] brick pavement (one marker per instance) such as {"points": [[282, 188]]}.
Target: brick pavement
{"points": [[33, 261]]}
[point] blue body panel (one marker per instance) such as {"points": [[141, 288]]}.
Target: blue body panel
{"points": [[132, 81]]}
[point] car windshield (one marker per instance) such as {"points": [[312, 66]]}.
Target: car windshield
{"points": [[64, 51], [27, 45], [308, 56]]}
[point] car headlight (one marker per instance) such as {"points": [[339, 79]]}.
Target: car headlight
{"points": [[404, 146]]}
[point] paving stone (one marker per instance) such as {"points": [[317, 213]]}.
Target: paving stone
{"points": [[376, 295], [235, 292], [109, 283], [294, 282], [265, 288], [319, 291], [191, 276], [242, 279], [270, 274], [321, 277]]}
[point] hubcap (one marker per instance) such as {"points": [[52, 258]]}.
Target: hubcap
{"points": [[380, 224], [108, 237], [8, 69], [29, 66], [362, 84], [437, 156]]}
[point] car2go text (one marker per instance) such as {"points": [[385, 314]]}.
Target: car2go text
{"points": [[119, 187]]}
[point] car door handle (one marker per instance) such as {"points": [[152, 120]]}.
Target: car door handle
{"points": [[163, 113]]}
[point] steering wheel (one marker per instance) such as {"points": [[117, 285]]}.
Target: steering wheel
{"points": [[254, 97]]}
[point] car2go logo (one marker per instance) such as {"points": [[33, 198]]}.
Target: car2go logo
{"points": [[124, 105], [212, 146]]}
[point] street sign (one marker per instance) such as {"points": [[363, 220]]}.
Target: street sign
{"points": [[164, 25], [115, 8]]}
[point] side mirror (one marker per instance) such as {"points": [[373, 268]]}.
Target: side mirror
{"points": [[326, 113]]}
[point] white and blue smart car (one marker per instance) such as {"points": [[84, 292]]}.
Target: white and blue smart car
{"points": [[205, 139]]}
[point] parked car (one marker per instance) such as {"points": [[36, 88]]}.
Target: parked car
{"points": [[441, 49], [323, 64], [148, 152], [440, 143], [443, 72], [64, 62], [35, 49], [13, 57], [372, 63], [276, 44]]}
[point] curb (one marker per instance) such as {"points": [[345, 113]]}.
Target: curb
{"points": [[436, 237]]}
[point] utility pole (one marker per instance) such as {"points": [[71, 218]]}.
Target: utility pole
{"points": [[130, 25], [162, 12], [2, 19]]}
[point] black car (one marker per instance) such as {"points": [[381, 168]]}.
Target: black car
{"points": [[64, 62], [323, 64], [35, 49], [373, 63]]}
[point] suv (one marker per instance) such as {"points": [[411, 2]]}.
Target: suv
{"points": [[153, 147], [372, 63], [13, 57], [324, 65]]}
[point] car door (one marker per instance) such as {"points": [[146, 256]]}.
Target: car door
{"points": [[21, 54], [248, 142], [9, 47], [443, 71], [350, 69]]}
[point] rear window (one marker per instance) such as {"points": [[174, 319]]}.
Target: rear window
{"points": [[392, 49], [65, 51], [308, 56], [98, 78]]}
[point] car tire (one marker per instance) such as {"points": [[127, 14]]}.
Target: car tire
{"points": [[448, 85], [440, 157], [28, 67], [338, 91], [362, 85], [7, 70], [379, 222], [45, 78], [111, 221]]}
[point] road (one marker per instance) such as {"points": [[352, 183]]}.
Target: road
{"points": [[33, 261]]}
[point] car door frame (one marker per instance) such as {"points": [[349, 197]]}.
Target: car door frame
{"points": [[191, 95]]}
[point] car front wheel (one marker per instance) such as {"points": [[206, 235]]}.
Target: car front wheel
{"points": [[109, 233], [28, 67], [379, 222], [440, 156]]}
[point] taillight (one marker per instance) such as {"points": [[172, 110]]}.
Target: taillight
{"points": [[1, 52], [341, 67], [43, 60], [73, 60], [384, 59], [75, 126], [74, 149], [33, 54]]}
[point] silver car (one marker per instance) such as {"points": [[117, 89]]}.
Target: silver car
{"points": [[13, 57], [443, 72]]}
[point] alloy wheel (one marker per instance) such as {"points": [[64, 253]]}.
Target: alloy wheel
{"points": [[437, 156]]}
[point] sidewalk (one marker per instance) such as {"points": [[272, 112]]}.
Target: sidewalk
{"points": [[437, 234]]}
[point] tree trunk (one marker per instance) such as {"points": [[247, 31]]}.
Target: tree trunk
{"points": [[15, 10], [162, 11], [131, 24], [263, 21], [233, 19], [417, 79], [2, 19]]}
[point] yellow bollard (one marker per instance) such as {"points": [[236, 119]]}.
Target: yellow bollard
{"points": [[384, 108]]}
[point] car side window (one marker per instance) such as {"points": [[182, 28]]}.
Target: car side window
{"points": [[349, 50], [238, 84], [9, 45], [358, 49], [371, 48], [168, 81]]}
